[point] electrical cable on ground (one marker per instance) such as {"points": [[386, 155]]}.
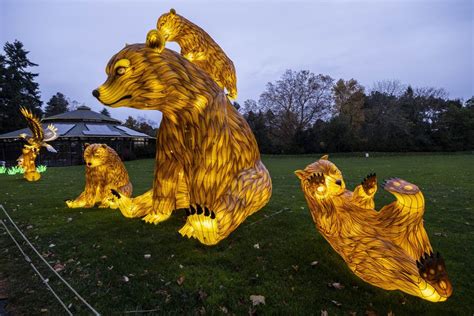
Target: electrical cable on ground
{"points": [[45, 281], [46, 262]]}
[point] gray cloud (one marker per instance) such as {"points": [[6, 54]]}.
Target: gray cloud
{"points": [[423, 43]]}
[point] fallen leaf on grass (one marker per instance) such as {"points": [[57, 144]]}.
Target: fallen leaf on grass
{"points": [[180, 280], [391, 313], [336, 303], [125, 278], [58, 267], [224, 309], [324, 312], [202, 295], [256, 246], [314, 263], [336, 285], [147, 256], [257, 299], [295, 267]]}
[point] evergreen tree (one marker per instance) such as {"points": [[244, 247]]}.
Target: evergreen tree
{"points": [[105, 112], [131, 123], [56, 105], [17, 87]]}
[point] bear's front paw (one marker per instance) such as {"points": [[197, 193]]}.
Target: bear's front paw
{"points": [[155, 218], [369, 184], [318, 182]]}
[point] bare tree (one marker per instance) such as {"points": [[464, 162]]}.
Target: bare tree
{"points": [[249, 105], [298, 99], [431, 92], [389, 87]]}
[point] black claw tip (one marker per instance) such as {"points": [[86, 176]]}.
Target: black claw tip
{"points": [[115, 193], [193, 210], [213, 215], [206, 211], [199, 209]]}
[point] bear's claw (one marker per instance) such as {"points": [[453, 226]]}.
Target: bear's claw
{"points": [[115, 193]]}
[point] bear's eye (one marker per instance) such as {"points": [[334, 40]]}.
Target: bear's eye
{"points": [[120, 71]]}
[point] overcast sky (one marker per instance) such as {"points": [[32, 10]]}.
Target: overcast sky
{"points": [[423, 43]]}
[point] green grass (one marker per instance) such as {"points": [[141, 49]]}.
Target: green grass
{"points": [[99, 247]]}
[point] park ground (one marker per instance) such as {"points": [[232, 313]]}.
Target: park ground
{"points": [[122, 265]]}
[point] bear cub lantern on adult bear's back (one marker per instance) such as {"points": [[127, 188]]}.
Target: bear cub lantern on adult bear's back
{"points": [[389, 248], [104, 172], [207, 158]]}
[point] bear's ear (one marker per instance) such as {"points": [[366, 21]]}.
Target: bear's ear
{"points": [[155, 40], [173, 11], [103, 145], [86, 145], [325, 157], [301, 174]]}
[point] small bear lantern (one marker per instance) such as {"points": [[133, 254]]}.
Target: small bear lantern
{"points": [[207, 158], [104, 172], [389, 248]]}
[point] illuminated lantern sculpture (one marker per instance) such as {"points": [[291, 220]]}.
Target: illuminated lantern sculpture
{"points": [[387, 248], [200, 49], [207, 158], [104, 172], [31, 149]]}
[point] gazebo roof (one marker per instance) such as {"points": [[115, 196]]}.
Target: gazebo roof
{"points": [[82, 123], [81, 114]]}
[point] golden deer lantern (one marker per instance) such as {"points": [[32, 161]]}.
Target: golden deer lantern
{"points": [[32, 147], [387, 248], [200, 49], [104, 172], [207, 159]]}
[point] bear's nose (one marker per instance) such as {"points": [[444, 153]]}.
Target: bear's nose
{"points": [[89, 164], [96, 93]]}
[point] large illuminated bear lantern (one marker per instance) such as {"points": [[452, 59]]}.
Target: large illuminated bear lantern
{"points": [[207, 159], [389, 248]]}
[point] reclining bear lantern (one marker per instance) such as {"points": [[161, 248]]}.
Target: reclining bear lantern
{"points": [[207, 159], [389, 248]]}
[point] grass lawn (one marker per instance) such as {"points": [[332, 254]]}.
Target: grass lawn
{"points": [[99, 247]]}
